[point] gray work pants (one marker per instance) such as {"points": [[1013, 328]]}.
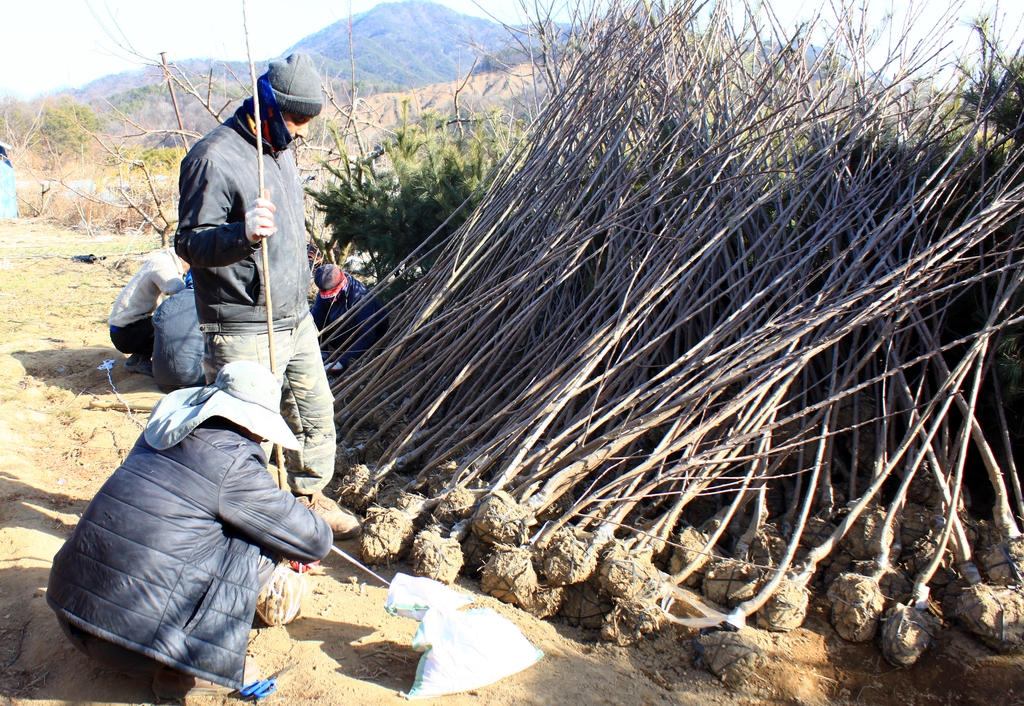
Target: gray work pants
{"points": [[306, 401]]}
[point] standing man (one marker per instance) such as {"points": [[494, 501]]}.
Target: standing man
{"points": [[222, 223]]}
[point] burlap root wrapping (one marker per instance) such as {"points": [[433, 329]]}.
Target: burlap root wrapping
{"points": [[995, 614], [627, 573], [1004, 562], [475, 553], [786, 609], [585, 604], [729, 582], [356, 490], [436, 557], [568, 559], [499, 519], [690, 549], [907, 633], [857, 604], [864, 538], [280, 602], [386, 536], [631, 619], [731, 656], [509, 576], [455, 506]]}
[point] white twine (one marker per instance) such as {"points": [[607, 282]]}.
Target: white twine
{"points": [[108, 365]]}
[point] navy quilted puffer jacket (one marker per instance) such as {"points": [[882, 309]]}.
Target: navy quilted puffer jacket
{"points": [[165, 558]]}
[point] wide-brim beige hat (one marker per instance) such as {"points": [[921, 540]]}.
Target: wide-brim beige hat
{"points": [[244, 392]]}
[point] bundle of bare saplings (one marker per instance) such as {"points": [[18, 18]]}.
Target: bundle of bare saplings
{"points": [[715, 340]]}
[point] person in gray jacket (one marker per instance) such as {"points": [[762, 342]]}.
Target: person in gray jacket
{"points": [[223, 222], [160, 577]]}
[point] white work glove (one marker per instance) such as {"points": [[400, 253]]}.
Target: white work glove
{"points": [[259, 219]]}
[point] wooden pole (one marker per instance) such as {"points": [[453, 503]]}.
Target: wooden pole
{"points": [[263, 245]]}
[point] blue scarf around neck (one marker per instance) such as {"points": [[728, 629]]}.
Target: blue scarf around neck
{"points": [[274, 129]]}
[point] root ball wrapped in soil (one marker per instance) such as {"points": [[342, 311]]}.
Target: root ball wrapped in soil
{"points": [[864, 538], [625, 574], [857, 604], [280, 601], [729, 582], [690, 549], [509, 576], [356, 491], [409, 502], [897, 586], [768, 547], [995, 614], [786, 609], [455, 506], [585, 604], [631, 619], [545, 602], [436, 557], [386, 536], [475, 553], [567, 559], [907, 633], [1004, 562], [920, 556], [733, 657], [501, 520], [842, 563]]}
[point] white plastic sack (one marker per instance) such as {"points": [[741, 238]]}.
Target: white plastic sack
{"points": [[412, 596], [465, 650]]}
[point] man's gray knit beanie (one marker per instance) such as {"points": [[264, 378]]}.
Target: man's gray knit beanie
{"points": [[296, 85]]}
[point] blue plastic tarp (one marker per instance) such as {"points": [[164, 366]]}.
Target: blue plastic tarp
{"points": [[8, 194]]}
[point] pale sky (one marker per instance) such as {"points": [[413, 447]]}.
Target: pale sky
{"points": [[57, 43]]}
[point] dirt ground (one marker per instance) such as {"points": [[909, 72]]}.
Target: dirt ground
{"points": [[58, 444]]}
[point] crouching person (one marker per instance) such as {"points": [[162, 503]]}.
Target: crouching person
{"points": [[338, 294], [162, 574]]}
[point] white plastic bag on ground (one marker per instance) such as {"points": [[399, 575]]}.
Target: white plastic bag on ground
{"points": [[412, 596], [466, 650]]}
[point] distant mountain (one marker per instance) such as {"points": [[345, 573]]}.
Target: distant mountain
{"points": [[406, 44], [397, 46]]}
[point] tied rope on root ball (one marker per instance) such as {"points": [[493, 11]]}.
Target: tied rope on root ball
{"points": [[768, 547], [436, 557], [280, 602], [357, 489], [585, 605], [994, 614], [1004, 562], [455, 506], [786, 609], [386, 536], [857, 604], [631, 619], [509, 576], [731, 656], [567, 559], [916, 524], [729, 582], [627, 573], [907, 633], [545, 602], [501, 520]]}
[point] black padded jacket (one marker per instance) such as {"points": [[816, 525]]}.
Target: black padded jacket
{"points": [[217, 183], [165, 560]]}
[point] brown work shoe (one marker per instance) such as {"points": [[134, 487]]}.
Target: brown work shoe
{"points": [[172, 685], [344, 524]]}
